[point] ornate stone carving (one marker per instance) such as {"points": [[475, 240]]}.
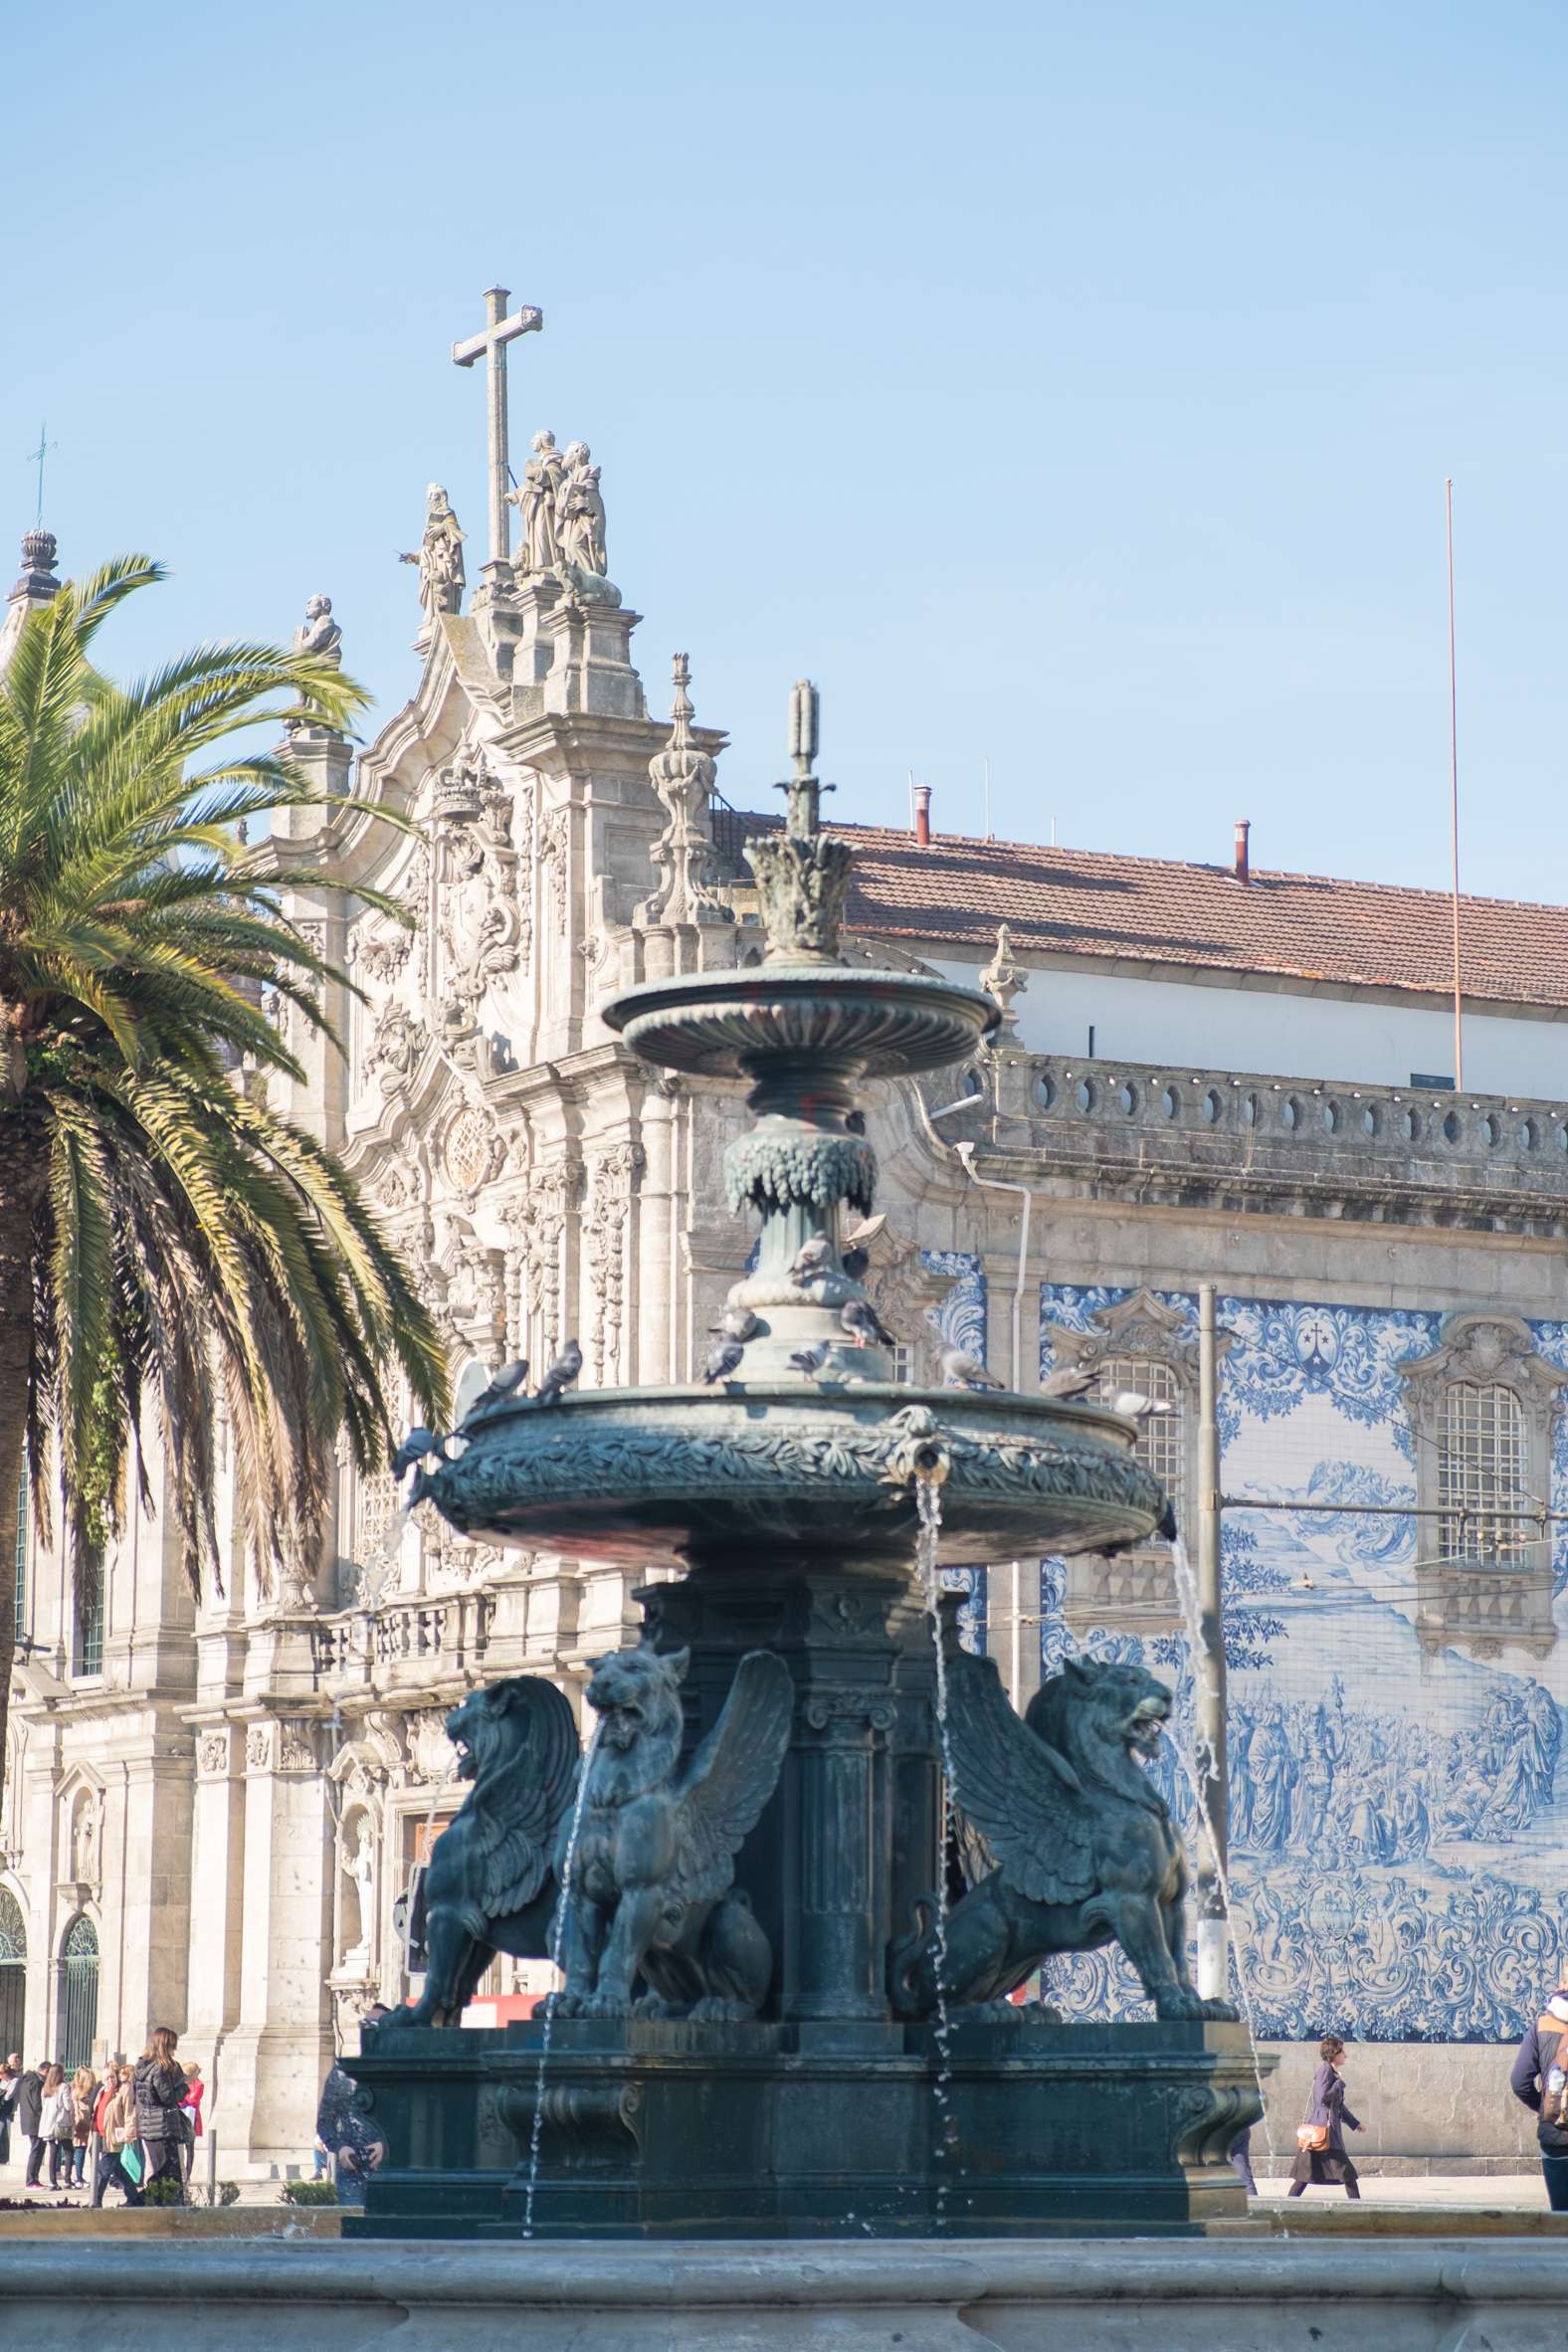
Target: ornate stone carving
{"points": [[440, 557], [481, 920], [259, 1747], [803, 876], [296, 1747], [212, 1754], [396, 1048], [429, 1748], [650, 1882], [1004, 977], [1084, 1850], [611, 1179], [471, 1148], [491, 1884], [539, 1219], [555, 836], [682, 777]]}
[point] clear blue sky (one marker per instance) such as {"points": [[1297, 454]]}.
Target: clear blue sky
{"points": [[1071, 386]]}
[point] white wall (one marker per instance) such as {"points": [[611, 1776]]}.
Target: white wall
{"points": [[1267, 1030]]}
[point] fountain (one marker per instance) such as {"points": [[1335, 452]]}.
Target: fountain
{"points": [[773, 2024]]}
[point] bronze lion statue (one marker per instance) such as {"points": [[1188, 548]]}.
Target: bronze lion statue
{"points": [[1082, 1843], [491, 1883]]}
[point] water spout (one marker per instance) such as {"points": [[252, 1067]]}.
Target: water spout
{"points": [[557, 1947], [928, 1504]]}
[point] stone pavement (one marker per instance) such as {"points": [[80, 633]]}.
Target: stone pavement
{"points": [[1484, 2190]]}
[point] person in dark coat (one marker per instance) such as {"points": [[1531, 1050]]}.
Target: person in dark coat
{"points": [[29, 2119], [342, 2132], [10, 2086], [160, 2086], [1539, 2080], [1331, 2165]]}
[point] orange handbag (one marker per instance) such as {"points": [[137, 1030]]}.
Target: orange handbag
{"points": [[1311, 2138]]}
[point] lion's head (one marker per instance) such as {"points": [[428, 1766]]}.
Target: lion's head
{"points": [[503, 1724], [1097, 1712], [636, 1694]]}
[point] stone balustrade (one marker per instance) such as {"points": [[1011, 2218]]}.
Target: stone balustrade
{"points": [[1245, 1138], [404, 1639]]}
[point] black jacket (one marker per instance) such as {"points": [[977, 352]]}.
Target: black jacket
{"points": [[160, 2090], [29, 2103]]}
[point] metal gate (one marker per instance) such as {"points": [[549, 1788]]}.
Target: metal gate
{"points": [[79, 1988], [13, 1973]]}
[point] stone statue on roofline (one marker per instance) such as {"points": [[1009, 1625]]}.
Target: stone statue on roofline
{"points": [[579, 515], [439, 556], [535, 499], [318, 633]]}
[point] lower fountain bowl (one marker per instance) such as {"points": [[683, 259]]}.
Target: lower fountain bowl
{"points": [[650, 1474]]}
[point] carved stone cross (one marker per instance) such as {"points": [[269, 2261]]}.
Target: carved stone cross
{"points": [[490, 347]]}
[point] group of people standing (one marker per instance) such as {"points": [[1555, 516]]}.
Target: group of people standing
{"points": [[145, 2120]]}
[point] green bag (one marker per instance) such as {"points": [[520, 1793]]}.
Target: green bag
{"points": [[130, 2163]]}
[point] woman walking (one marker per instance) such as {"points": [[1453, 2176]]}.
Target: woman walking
{"points": [[1320, 2141], [160, 2086], [55, 2125], [190, 2108], [84, 2098], [118, 2132]]}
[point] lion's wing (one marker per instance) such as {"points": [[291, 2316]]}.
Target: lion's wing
{"points": [[529, 1800], [732, 1775], [1024, 1800]]}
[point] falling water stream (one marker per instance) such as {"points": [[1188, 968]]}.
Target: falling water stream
{"points": [[929, 1503], [558, 1946], [1197, 1761]]}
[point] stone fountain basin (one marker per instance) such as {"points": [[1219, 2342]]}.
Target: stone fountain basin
{"points": [[644, 1476], [845, 1019]]}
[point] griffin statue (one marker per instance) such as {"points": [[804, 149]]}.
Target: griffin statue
{"points": [[649, 1879], [491, 1886], [1082, 1843]]}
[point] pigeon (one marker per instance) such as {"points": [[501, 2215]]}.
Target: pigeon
{"points": [[563, 1370], [1138, 1407], [810, 1361], [723, 1361], [861, 1321], [737, 1322], [502, 1384], [855, 1264], [414, 1448], [1068, 1380], [813, 1259], [960, 1370]]}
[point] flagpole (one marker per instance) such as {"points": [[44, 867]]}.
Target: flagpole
{"points": [[1454, 799]]}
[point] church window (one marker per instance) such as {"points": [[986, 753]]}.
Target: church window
{"points": [[1161, 1446], [1482, 1471], [375, 1501], [86, 1631]]}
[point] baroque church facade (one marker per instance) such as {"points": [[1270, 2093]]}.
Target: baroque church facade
{"points": [[212, 1815]]}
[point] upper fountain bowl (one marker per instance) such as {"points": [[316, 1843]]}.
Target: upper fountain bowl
{"points": [[850, 1020], [750, 1469]]}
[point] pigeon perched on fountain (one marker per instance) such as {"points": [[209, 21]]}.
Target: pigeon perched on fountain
{"points": [[414, 1449], [813, 1259], [962, 1370], [563, 1371], [736, 1322], [502, 1384], [723, 1361], [810, 1361], [863, 1324], [1138, 1407], [1068, 1380]]}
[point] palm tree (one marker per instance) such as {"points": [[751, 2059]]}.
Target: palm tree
{"points": [[167, 1242]]}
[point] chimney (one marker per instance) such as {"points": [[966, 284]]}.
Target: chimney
{"points": [[1242, 868], [922, 814]]}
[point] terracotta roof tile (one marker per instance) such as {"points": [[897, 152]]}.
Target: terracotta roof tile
{"points": [[1157, 910]]}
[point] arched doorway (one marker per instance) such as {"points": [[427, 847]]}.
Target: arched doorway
{"points": [[79, 1991], [13, 1973]]}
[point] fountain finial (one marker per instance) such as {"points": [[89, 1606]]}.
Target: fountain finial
{"points": [[803, 817]]}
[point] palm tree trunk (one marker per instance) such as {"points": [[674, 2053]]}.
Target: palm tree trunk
{"points": [[19, 1184]]}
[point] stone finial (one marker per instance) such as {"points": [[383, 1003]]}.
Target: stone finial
{"points": [[37, 583], [682, 776], [1004, 977]]}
